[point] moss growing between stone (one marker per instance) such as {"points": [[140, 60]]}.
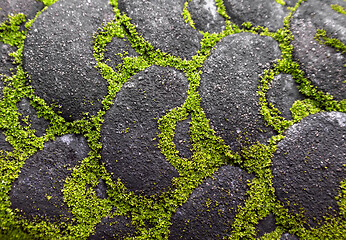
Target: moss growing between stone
{"points": [[338, 8]]}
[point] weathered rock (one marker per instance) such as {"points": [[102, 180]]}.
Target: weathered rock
{"points": [[160, 22], [266, 13], [210, 210], [5, 61], [323, 65], [58, 55], [4, 145], [266, 225], [287, 236], [27, 111], [113, 228], [129, 132], [37, 190], [309, 165], [283, 93], [116, 47], [228, 89], [205, 16], [182, 138], [290, 3], [28, 7]]}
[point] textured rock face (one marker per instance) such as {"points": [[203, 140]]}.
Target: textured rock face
{"points": [[266, 225], [283, 93], [309, 165], [5, 62], [205, 16], [129, 133], [228, 89], [266, 13], [182, 138], [58, 56], [37, 190], [28, 7], [323, 65], [211, 209], [161, 23]]}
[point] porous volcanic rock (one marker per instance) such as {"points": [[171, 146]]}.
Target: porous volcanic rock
{"points": [[266, 225], [309, 165], [28, 7], [129, 134], [58, 55], [266, 13], [290, 3], [118, 227], [287, 236], [323, 65], [5, 62], [37, 190], [283, 93], [116, 47], [205, 16], [228, 87], [182, 138], [210, 210], [27, 111], [160, 22], [4, 145]]}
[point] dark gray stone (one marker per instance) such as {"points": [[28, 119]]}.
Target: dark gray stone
{"points": [[323, 65], [182, 138], [130, 130], [28, 7], [290, 3], [266, 225], [4, 145], [116, 47], [309, 165], [210, 210], [37, 190], [160, 22], [228, 89], [287, 236], [27, 111], [266, 13], [283, 93], [58, 55], [205, 16], [101, 190], [118, 227], [5, 62]]}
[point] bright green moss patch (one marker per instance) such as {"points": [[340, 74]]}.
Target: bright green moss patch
{"points": [[151, 215], [338, 8], [187, 16]]}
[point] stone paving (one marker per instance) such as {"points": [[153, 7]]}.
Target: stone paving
{"points": [[186, 119]]}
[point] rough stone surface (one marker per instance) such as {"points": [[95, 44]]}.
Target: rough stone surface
{"points": [[28, 7], [323, 65], [266, 13], [58, 56], [5, 61], [205, 16], [113, 228], [182, 138], [37, 190], [266, 225], [114, 48], [287, 236], [129, 133], [27, 111], [210, 210], [160, 22], [309, 165], [290, 3], [228, 89], [283, 93], [4, 145]]}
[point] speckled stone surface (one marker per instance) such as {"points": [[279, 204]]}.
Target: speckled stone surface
{"points": [[309, 165], [28, 7], [59, 57]]}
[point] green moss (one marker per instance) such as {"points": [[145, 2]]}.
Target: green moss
{"points": [[187, 16], [282, 2], [338, 8]]}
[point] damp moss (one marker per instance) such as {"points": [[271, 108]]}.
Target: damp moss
{"points": [[151, 215]]}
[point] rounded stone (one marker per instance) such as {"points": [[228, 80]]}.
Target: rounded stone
{"points": [[37, 191], [129, 134], [265, 13], [28, 7], [211, 209], [322, 64], [160, 23], [309, 165], [229, 86], [58, 56]]}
